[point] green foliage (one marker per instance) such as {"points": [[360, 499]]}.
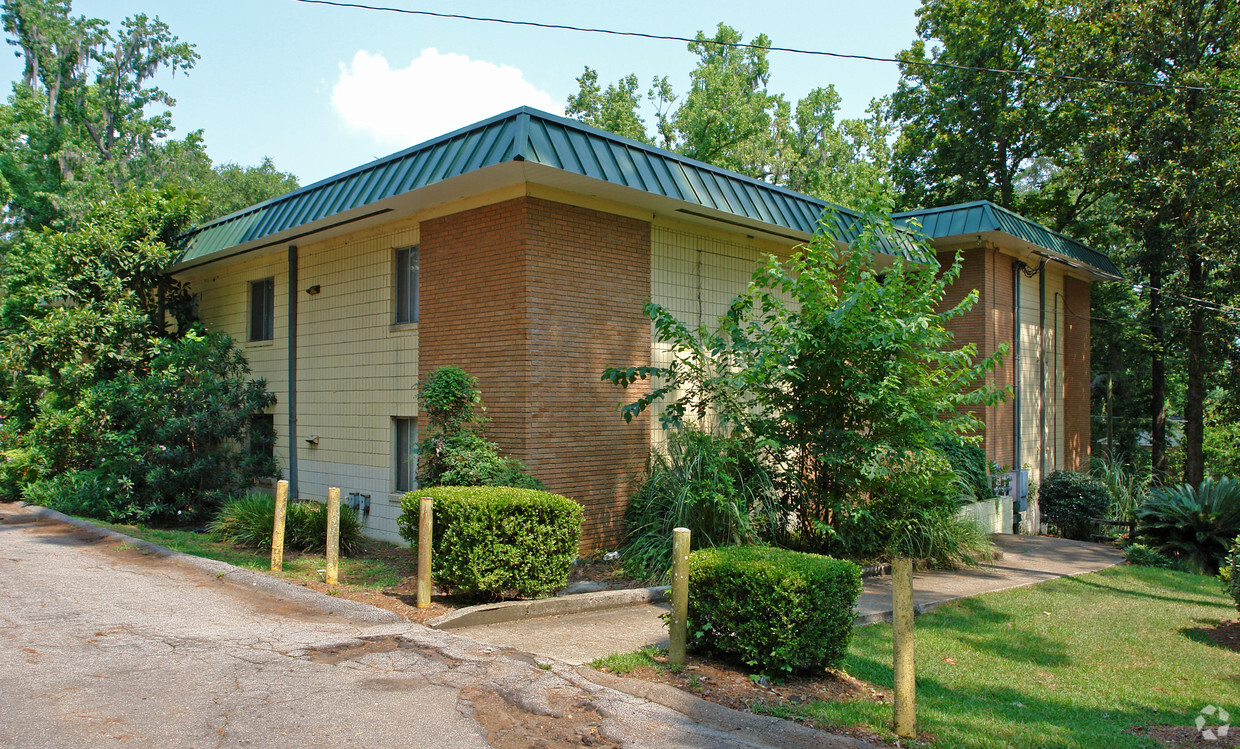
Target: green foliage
{"points": [[774, 610], [93, 381], [1144, 556], [1126, 486], [1229, 573], [709, 484], [455, 453], [495, 542], [1194, 525], [969, 462], [613, 109], [842, 380], [249, 520], [1068, 500]]}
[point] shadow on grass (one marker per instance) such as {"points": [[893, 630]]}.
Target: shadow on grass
{"points": [[974, 623], [1128, 591]]}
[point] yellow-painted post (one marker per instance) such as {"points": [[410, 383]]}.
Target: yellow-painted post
{"points": [[425, 519], [903, 667], [333, 535], [680, 597], [277, 527]]}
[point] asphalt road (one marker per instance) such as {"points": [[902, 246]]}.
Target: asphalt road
{"points": [[104, 645]]}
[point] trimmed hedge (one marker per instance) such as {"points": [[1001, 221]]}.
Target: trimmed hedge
{"points": [[497, 541], [773, 609], [1068, 500]]}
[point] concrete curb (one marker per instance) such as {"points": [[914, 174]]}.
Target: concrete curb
{"points": [[224, 571], [510, 611], [760, 729]]}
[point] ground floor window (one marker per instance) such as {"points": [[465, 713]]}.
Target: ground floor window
{"points": [[406, 454]]}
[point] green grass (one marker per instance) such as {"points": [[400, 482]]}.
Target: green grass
{"points": [[377, 564], [622, 663], [1074, 662]]}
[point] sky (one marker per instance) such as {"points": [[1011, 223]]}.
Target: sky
{"points": [[323, 89]]}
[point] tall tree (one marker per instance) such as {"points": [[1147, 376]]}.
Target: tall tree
{"points": [[1168, 153], [613, 109]]}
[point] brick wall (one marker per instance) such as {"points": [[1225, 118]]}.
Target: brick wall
{"points": [[1076, 374], [987, 325], [535, 299]]}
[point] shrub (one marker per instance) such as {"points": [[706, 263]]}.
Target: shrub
{"points": [[968, 461], [497, 541], [772, 609], [248, 521], [1068, 500], [711, 485], [1229, 574], [1126, 486], [1193, 525], [88, 493], [1142, 555], [455, 452]]}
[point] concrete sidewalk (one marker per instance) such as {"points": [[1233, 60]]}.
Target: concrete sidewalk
{"points": [[583, 637]]}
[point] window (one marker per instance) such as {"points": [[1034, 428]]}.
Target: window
{"points": [[407, 285], [406, 455], [263, 436], [262, 309]]}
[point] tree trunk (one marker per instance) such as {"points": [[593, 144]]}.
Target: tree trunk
{"points": [[1194, 401], [1158, 366]]}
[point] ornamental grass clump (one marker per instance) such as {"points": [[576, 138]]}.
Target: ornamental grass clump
{"points": [[774, 610], [497, 541], [248, 520]]}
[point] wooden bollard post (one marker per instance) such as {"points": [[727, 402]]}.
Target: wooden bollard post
{"points": [[903, 668], [333, 534], [277, 527], [425, 519], [680, 597]]}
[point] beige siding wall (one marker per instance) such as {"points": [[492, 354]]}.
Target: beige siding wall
{"points": [[1042, 442], [696, 275], [357, 370]]}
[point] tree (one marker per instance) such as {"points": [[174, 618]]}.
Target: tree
{"points": [[126, 415], [1168, 154], [731, 119]]}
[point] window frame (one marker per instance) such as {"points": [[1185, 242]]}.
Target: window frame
{"points": [[404, 440], [405, 285], [264, 318]]}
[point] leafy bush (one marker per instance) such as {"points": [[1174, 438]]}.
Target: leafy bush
{"points": [[1126, 486], [89, 493], [1068, 500], [249, 520], [497, 541], [1194, 525], [969, 462], [455, 453], [1142, 555], [1229, 573], [772, 609], [709, 484]]}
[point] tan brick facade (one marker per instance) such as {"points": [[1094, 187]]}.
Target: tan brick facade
{"points": [[535, 298], [1076, 374]]}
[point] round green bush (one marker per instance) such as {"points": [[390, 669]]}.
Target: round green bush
{"points": [[1230, 572], [497, 541], [1069, 501]]}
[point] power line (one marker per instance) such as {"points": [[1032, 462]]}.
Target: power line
{"points": [[792, 50]]}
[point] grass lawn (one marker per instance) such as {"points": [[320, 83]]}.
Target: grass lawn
{"points": [[1075, 662], [376, 565]]}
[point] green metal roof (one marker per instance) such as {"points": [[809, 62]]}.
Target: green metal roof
{"points": [[526, 134], [983, 216]]}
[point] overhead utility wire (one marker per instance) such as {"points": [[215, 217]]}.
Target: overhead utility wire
{"points": [[793, 50]]}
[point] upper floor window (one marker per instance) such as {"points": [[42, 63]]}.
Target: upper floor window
{"points": [[407, 284], [262, 309]]}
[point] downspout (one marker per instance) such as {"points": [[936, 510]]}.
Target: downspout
{"points": [[292, 371], [1017, 267], [1042, 371]]}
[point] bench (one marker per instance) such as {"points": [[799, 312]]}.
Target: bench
{"points": [[1103, 524]]}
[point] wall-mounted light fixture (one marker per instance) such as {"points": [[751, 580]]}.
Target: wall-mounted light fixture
{"points": [[314, 289], [312, 439]]}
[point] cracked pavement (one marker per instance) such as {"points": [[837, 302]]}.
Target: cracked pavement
{"points": [[102, 644]]}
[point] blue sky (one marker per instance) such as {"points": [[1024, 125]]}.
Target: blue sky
{"points": [[322, 89]]}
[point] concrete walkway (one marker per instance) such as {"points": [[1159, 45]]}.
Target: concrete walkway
{"points": [[581, 638]]}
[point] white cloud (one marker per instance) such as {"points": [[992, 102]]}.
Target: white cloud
{"points": [[435, 94]]}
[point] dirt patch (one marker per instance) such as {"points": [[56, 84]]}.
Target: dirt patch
{"points": [[1186, 737], [1226, 634], [732, 687], [571, 722]]}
